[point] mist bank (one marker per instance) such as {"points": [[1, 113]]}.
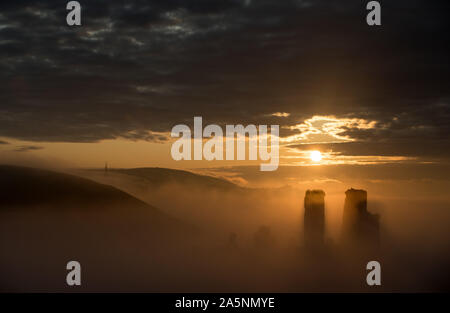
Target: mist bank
{"points": [[413, 229], [198, 234]]}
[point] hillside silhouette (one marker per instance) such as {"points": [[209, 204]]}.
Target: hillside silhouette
{"points": [[50, 218], [155, 177], [23, 187], [160, 176]]}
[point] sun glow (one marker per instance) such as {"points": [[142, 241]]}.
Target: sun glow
{"points": [[315, 156]]}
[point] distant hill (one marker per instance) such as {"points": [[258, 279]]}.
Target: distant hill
{"points": [[156, 177], [160, 176]]}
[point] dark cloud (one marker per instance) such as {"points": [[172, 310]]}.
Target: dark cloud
{"points": [[137, 68]]}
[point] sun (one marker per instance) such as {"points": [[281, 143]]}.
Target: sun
{"points": [[315, 156]]}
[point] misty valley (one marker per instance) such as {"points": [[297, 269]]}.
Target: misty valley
{"points": [[130, 232]]}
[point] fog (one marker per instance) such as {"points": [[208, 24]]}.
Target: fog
{"points": [[211, 240], [414, 235]]}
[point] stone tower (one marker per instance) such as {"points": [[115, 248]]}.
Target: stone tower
{"points": [[314, 219], [359, 225]]}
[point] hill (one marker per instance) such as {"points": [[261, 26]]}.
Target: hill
{"points": [[160, 176], [49, 218], [22, 187]]}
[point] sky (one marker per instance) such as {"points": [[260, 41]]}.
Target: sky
{"points": [[112, 89]]}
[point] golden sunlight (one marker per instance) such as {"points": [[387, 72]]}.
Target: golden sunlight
{"points": [[315, 156]]}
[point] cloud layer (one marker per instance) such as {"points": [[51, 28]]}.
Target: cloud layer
{"points": [[135, 69]]}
